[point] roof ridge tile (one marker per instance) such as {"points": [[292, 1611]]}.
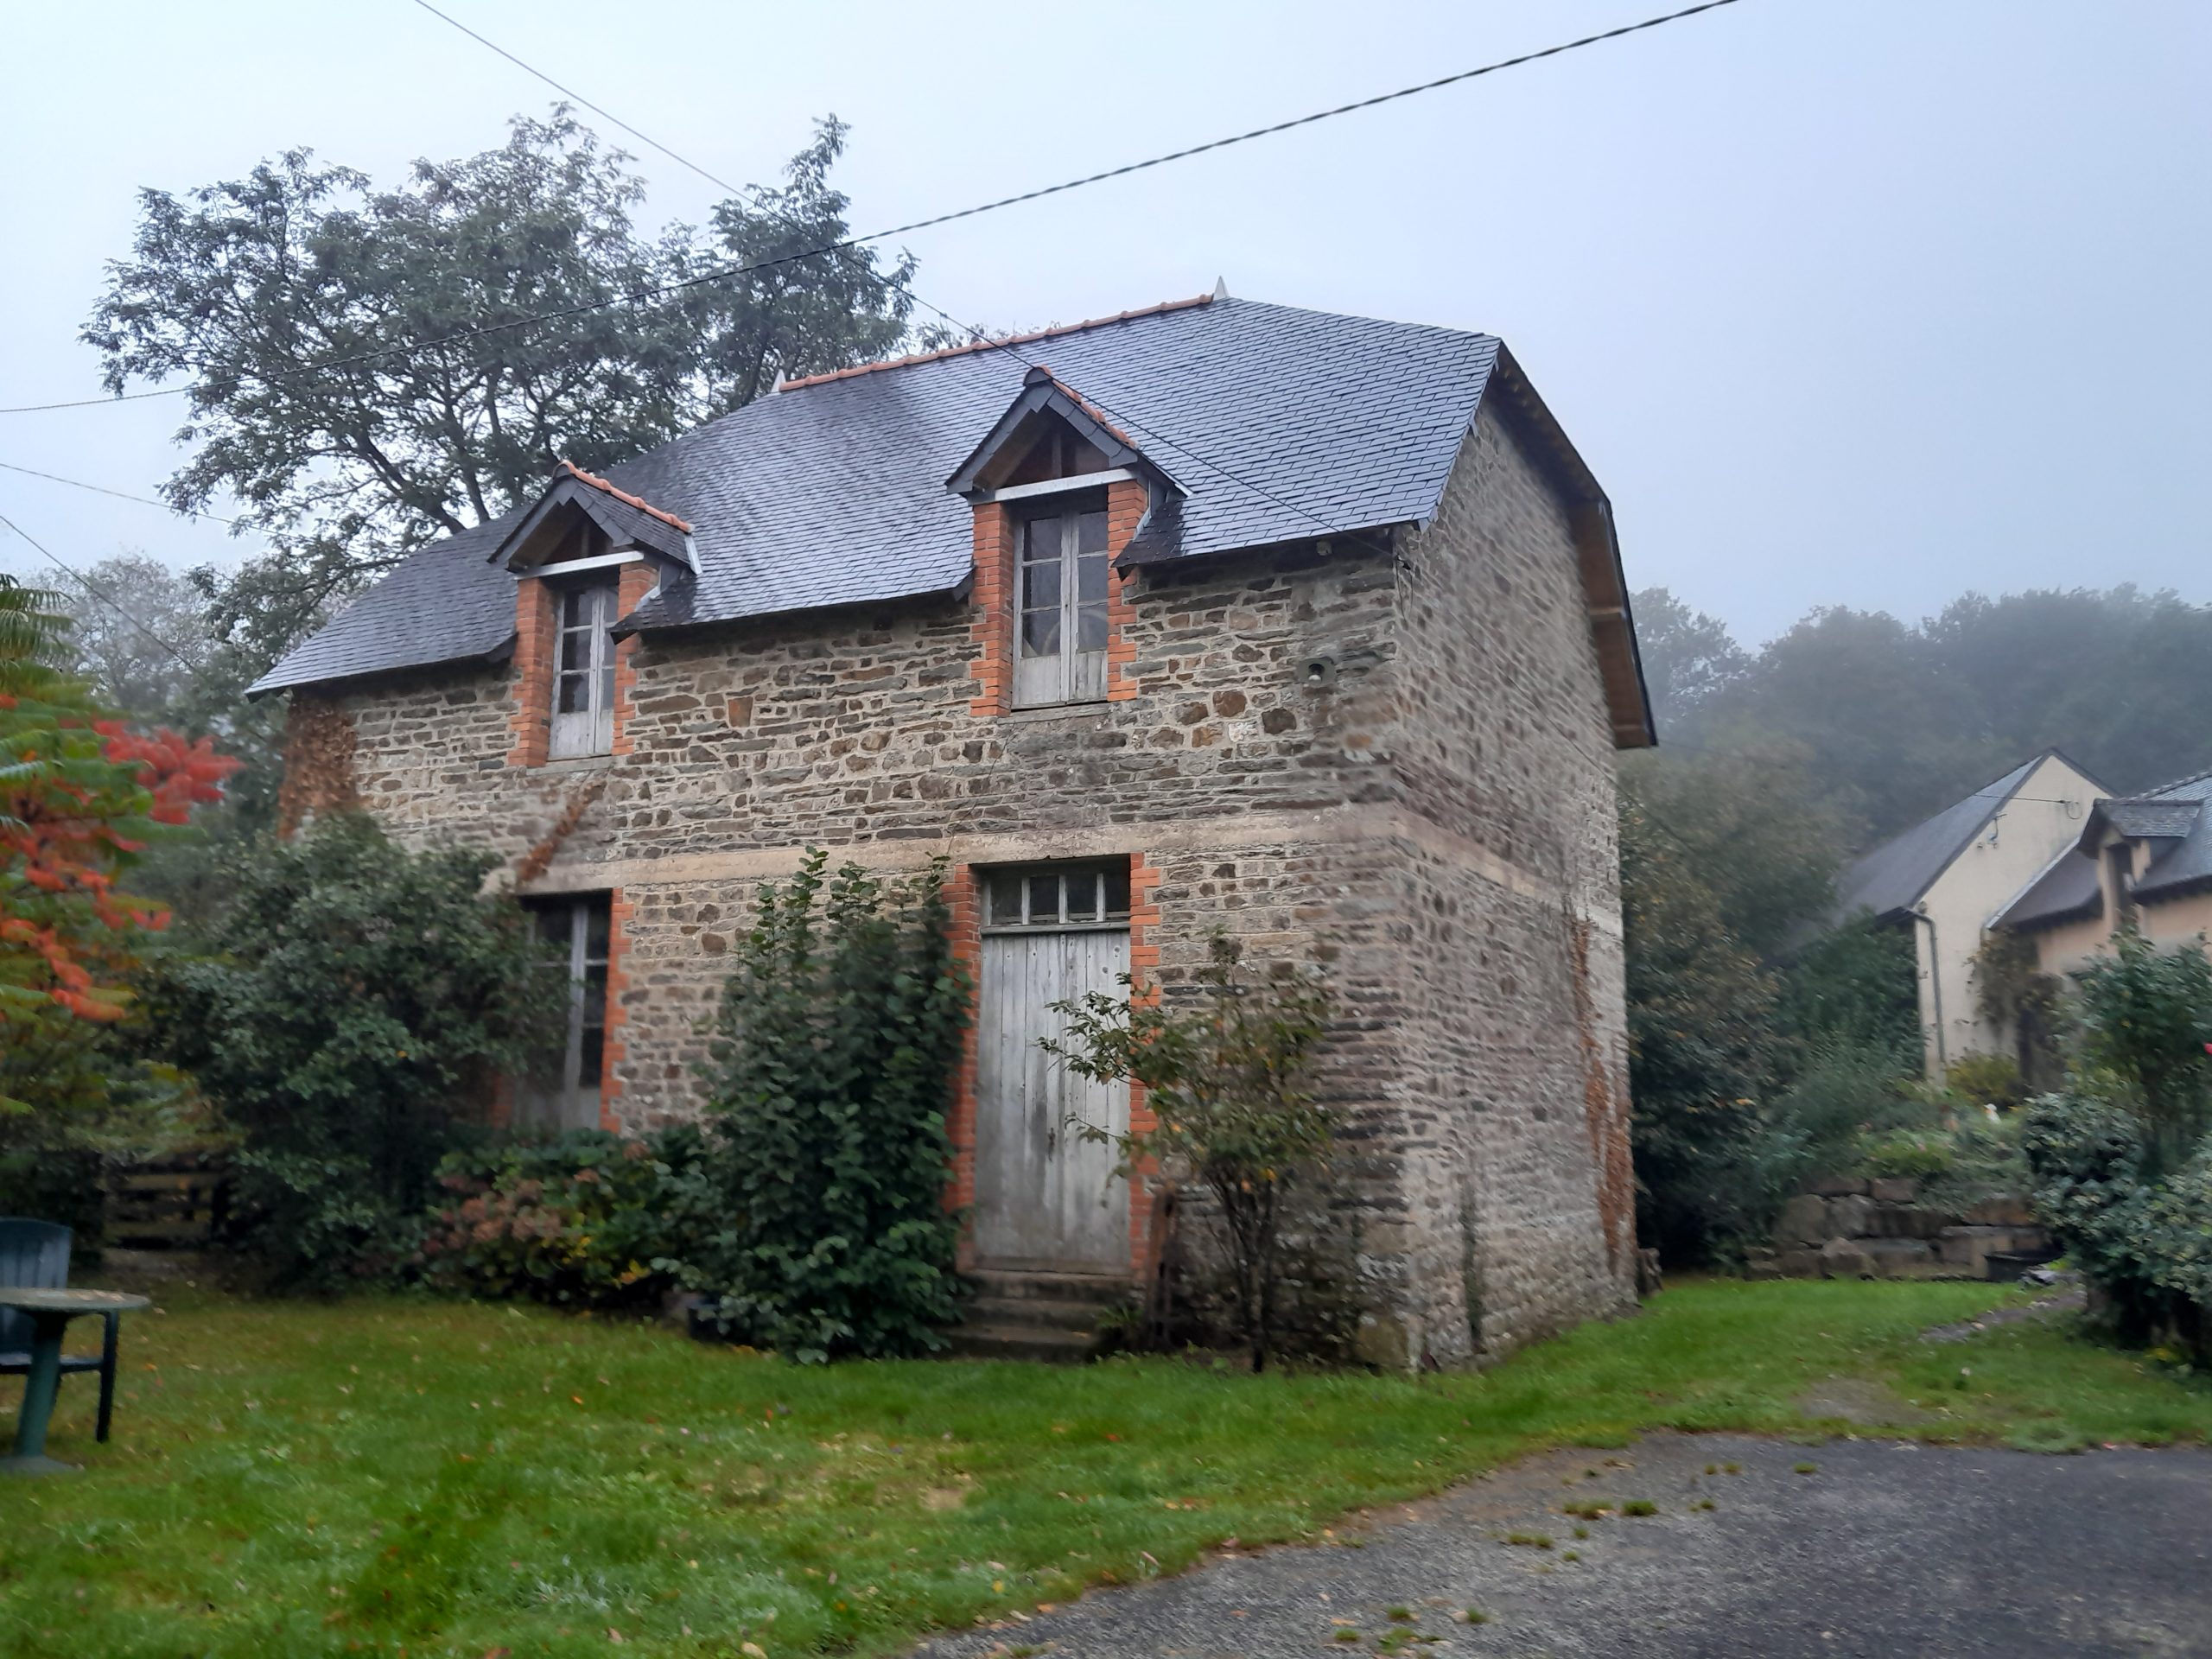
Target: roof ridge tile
{"points": [[642, 505], [974, 346]]}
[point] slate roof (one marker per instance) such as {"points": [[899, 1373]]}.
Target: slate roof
{"points": [[2187, 864], [2067, 890], [1280, 424], [1891, 878], [2071, 889]]}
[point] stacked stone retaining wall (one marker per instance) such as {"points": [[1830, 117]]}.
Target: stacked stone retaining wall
{"points": [[1883, 1229]]}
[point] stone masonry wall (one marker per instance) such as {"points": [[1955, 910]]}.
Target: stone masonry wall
{"points": [[1438, 831], [1518, 1192], [1886, 1227], [1253, 794]]}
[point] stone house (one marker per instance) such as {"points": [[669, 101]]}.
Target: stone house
{"points": [[1949, 878], [1217, 615]]}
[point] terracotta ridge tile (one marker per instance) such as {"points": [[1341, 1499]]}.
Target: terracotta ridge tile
{"points": [[974, 346], [1089, 408], [599, 483]]}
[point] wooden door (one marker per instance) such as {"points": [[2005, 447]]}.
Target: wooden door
{"points": [[1045, 1198]]}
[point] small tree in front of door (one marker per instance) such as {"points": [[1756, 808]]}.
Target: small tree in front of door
{"points": [[1225, 1073]]}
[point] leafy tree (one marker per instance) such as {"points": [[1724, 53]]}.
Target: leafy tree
{"points": [[138, 636], [1753, 828], [1690, 659], [1898, 721], [348, 1018], [1700, 1005], [81, 796], [2118, 679], [1857, 985], [299, 298], [839, 1035], [1224, 1074]]}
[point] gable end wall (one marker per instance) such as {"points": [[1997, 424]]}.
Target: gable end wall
{"points": [[1519, 1192]]}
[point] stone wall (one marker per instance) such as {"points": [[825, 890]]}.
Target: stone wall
{"points": [[1399, 765], [1883, 1229], [1519, 1198]]}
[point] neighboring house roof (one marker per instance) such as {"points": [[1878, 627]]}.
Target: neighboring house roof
{"points": [[2072, 888], [1279, 425], [2179, 812], [2067, 890], [1893, 877]]}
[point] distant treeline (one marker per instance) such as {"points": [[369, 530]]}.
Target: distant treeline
{"points": [[1892, 721]]}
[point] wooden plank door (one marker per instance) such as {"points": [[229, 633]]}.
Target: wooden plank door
{"points": [[1045, 1198]]}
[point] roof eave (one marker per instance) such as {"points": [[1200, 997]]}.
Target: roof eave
{"points": [[261, 687], [1598, 549]]}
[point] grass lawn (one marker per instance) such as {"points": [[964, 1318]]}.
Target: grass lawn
{"points": [[385, 1476]]}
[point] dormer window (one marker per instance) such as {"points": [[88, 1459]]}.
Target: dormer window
{"points": [[583, 678], [1060, 599]]}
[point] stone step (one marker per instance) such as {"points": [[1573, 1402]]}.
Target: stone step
{"points": [[1033, 1344], [1034, 1311], [1096, 1289]]}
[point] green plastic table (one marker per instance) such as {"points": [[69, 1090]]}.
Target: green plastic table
{"points": [[50, 1311]]}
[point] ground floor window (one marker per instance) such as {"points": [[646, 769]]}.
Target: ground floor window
{"points": [[562, 1088], [1058, 895]]}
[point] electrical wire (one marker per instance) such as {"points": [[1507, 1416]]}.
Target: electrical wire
{"points": [[974, 333], [102, 489], [724, 274], [101, 593]]}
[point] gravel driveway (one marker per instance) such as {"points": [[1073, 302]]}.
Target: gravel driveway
{"points": [[1885, 1548]]}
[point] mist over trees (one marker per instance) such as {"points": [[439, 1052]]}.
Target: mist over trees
{"points": [[1895, 720]]}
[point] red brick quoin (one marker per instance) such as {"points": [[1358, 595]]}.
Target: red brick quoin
{"points": [[538, 620], [963, 894], [993, 627]]}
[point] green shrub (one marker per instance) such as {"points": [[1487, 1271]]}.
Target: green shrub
{"points": [[1986, 1080], [585, 1219], [1849, 1096], [1226, 1069], [839, 1035], [2146, 1017], [1920, 1154], [1984, 1162], [1856, 986], [2144, 1239], [354, 1003]]}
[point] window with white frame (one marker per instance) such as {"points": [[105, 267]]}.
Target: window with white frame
{"points": [[1060, 605], [583, 670], [1058, 896]]}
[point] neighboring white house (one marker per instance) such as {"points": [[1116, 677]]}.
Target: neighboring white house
{"points": [[1949, 878]]}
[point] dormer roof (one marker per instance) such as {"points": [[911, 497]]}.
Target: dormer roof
{"points": [[627, 521], [1043, 400]]}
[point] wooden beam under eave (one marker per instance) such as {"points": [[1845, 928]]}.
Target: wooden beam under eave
{"points": [[1610, 630]]}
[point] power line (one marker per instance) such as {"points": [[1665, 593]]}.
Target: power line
{"points": [[101, 594], [961, 324], [102, 489], [660, 290], [603, 113]]}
